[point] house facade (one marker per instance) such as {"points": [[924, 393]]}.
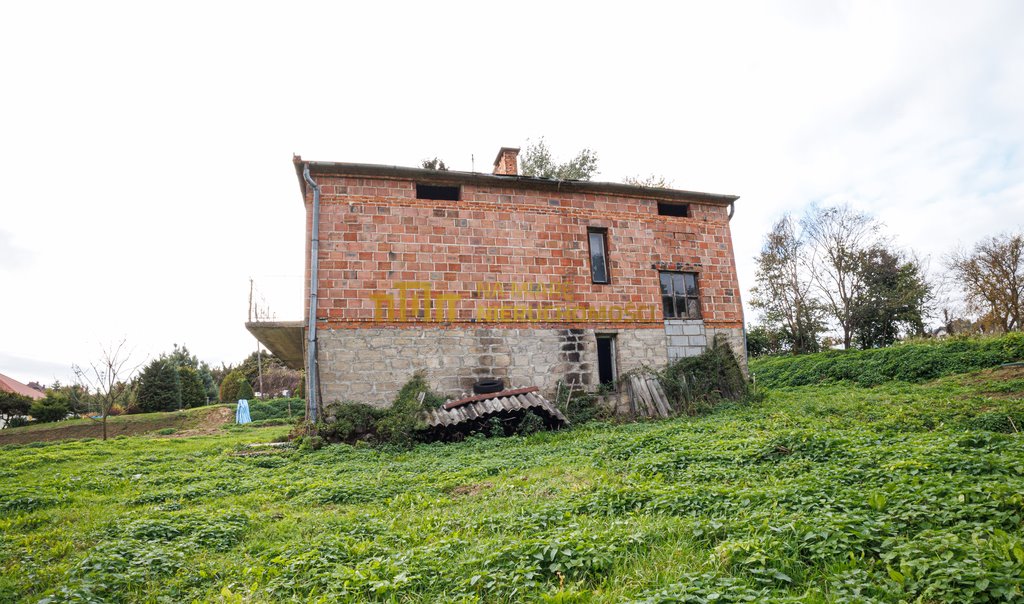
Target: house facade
{"points": [[470, 276]]}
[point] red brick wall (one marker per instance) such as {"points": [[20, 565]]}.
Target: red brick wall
{"points": [[375, 234]]}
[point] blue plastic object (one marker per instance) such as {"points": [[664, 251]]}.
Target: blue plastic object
{"points": [[242, 412]]}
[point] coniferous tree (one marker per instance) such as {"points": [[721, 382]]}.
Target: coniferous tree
{"points": [[229, 386], [193, 393], [245, 391], [160, 386]]}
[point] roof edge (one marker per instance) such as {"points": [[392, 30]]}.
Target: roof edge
{"points": [[480, 178]]}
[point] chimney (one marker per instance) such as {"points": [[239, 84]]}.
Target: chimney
{"points": [[506, 163]]}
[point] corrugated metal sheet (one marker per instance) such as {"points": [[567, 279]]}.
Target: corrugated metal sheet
{"points": [[482, 406]]}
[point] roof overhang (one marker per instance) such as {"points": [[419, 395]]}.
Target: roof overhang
{"points": [[493, 180], [283, 338]]}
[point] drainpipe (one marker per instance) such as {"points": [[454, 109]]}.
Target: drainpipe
{"points": [[312, 376], [732, 209]]}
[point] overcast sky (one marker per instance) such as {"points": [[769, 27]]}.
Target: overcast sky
{"points": [[145, 149]]}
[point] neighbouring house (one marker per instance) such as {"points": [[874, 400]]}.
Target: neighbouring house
{"points": [[9, 384], [471, 276]]}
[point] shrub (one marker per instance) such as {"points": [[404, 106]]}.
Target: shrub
{"points": [[910, 362], [276, 408], [229, 387], [578, 406], [695, 384], [54, 407], [245, 391], [350, 422], [400, 422]]}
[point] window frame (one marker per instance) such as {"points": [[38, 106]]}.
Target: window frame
{"points": [[613, 361], [603, 232], [690, 301], [433, 191], [680, 210]]}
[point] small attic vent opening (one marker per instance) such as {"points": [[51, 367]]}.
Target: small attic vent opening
{"points": [[440, 192], [681, 210]]}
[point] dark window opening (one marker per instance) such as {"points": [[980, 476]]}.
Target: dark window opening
{"points": [[681, 210], [439, 192], [606, 359], [598, 256], [679, 297]]}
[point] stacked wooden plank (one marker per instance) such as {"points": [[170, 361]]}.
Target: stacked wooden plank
{"points": [[482, 406], [647, 398]]}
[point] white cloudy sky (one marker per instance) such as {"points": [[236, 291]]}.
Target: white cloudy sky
{"points": [[145, 149]]}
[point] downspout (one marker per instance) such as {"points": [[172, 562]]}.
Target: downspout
{"points": [[312, 376], [732, 211]]}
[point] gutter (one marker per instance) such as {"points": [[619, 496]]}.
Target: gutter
{"points": [[312, 374]]}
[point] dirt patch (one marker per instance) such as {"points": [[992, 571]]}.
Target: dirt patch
{"points": [[469, 490], [1013, 372], [94, 430], [210, 423], [999, 383]]}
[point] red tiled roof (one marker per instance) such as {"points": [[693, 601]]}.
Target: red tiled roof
{"points": [[12, 385]]}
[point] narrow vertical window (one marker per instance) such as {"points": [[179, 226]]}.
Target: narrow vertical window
{"points": [[606, 359], [598, 256]]}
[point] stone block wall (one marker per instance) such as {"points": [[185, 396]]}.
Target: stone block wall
{"points": [[686, 338], [371, 365]]}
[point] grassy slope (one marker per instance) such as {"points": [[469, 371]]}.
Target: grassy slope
{"points": [[127, 425], [814, 494]]}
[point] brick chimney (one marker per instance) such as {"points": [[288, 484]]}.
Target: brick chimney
{"points": [[506, 163]]}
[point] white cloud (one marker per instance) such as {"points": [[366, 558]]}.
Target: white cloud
{"points": [[147, 147]]}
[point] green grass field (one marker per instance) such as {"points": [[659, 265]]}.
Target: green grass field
{"points": [[819, 493]]}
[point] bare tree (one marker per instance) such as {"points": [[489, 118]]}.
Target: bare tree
{"points": [[840, 237], [783, 293], [103, 384], [992, 278]]}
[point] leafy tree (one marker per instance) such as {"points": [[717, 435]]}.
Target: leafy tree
{"points": [[193, 393], [784, 290], [102, 386], [762, 340], [893, 301], [160, 386], [651, 181], [229, 386], [840, 236], [537, 161], [300, 389], [55, 406], [13, 405], [434, 164], [992, 278], [275, 375], [245, 391]]}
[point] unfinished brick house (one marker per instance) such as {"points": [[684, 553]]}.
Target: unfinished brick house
{"points": [[471, 276]]}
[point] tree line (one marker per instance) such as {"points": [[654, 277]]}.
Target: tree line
{"points": [[835, 270], [173, 381]]}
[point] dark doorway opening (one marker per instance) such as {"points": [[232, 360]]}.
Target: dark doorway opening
{"points": [[606, 359]]}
